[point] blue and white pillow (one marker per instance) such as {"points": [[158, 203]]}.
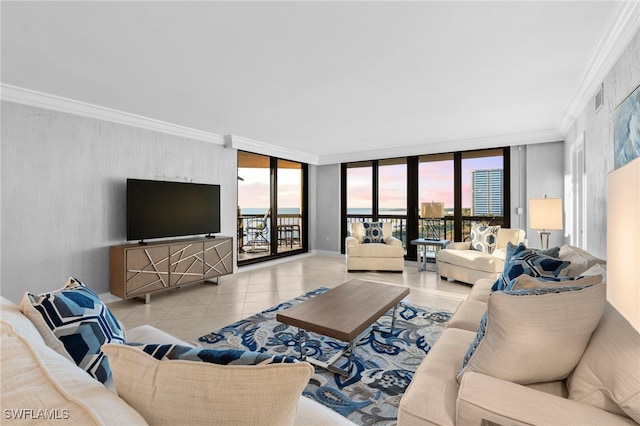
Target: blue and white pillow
{"points": [[530, 262], [75, 323], [484, 238], [372, 232], [551, 252], [222, 357]]}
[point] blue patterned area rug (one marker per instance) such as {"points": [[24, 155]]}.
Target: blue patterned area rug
{"points": [[383, 363]]}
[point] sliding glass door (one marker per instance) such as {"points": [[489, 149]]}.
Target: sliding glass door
{"points": [[272, 199]]}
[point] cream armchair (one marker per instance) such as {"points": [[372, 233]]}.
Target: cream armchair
{"points": [[460, 262], [387, 256]]}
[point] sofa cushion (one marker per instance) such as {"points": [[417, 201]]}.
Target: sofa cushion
{"points": [[530, 262], [41, 382], [468, 315], [535, 335], [472, 259], [431, 395], [481, 290], [75, 323], [376, 250], [187, 392], [484, 238], [582, 257], [11, 313], [608, 374]]}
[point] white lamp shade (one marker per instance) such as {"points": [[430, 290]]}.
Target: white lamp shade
{"points": [[545, 213], [623, 233], [432, 210]]}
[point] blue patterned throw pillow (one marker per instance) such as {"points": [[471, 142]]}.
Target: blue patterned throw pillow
{"points": [[75, 323], [222, 357], [530, 262], [551, 252], [484, 238], [372, 232]]}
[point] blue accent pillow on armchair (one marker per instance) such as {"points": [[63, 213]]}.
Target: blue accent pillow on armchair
{"points": [[372, 232]]}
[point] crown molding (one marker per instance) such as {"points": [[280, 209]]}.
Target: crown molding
{"points": [[246, 144], [44, 100], [620, 28], [436, 147]]}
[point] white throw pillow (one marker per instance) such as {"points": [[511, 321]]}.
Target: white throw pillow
{"points": [[537, 335], [173, 392]]}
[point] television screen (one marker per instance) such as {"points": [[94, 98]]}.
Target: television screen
{"points": [[157, 209]]}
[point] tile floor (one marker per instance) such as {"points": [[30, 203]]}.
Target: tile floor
{"points": [[194, 310]]}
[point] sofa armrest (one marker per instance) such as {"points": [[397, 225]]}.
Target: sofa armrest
{"points": [[392, 241], [459, 246], [148, 334], [483, 397], [351, 241]]}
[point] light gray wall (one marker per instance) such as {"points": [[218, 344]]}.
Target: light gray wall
{"points": [[63, 192], [544, 176], [518, 186], [597, 128], [328, 208]]}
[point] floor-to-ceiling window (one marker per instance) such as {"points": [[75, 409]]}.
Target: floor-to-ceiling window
{"points": [[272, 199], [436, 199], [482, 187], [437, 196]]}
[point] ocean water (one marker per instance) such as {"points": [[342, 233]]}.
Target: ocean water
{"points": [[262, 211]]}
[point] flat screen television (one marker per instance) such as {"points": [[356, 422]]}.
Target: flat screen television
{"points": [[160, 209]]}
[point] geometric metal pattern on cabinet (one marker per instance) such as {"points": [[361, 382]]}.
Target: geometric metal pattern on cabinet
{"points": [[139, 270], [187, 264], [218, 257], [147, 270]]}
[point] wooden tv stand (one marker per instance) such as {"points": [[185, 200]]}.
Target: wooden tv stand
{"points": [[137, 270]]}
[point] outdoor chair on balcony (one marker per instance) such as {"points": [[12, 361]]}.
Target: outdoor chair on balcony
{"points": [[371, 246], [257, 232]]}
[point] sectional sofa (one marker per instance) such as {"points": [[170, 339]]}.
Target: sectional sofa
{"points": [[41, 386], [533, 361]]}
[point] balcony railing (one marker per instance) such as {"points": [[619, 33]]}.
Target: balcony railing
{"points": [[251, 232], [443, 227]]}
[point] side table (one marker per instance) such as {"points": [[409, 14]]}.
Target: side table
{"points": [[422, 244]]}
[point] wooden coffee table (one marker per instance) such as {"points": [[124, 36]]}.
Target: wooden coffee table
{"points": [[343, 313]]}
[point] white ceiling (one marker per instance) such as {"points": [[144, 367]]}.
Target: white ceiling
{"points": [[324, 78]]}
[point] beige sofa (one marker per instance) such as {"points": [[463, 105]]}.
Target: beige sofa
{"points": [[387, 256], [604, 387], [41, 386], [460, 262]]}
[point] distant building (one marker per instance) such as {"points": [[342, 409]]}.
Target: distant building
{"points": [[486, 192]]}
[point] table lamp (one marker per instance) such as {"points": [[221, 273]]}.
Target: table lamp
{"points": [[545, 214], [431, 211]]}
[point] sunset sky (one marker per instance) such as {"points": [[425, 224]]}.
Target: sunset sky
{"points": [[253, 192], [436, 184]]}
